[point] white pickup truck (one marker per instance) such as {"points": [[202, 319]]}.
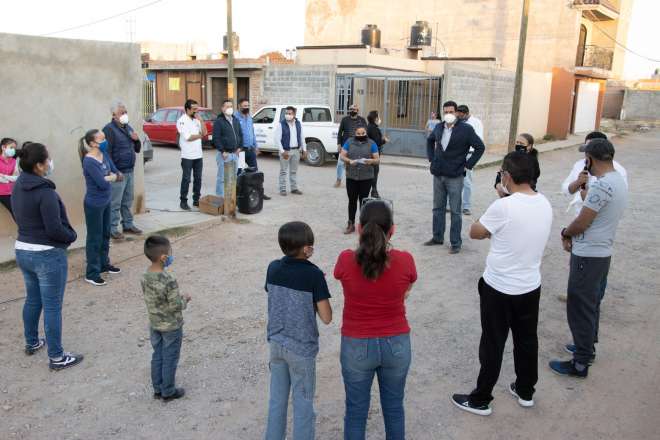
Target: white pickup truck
{"points": [[319, 130]]}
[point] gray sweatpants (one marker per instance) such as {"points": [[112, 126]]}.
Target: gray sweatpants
{"points": [[289, 166], [585, 288]]}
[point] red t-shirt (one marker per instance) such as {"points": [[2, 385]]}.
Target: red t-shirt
{"points": [[375, 308]]}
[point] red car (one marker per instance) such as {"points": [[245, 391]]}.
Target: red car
{"points": [[161, 125]]}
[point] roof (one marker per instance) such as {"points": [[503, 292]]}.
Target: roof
{"points": [[220, 64]]}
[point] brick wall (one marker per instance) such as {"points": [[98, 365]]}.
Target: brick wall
{"points": [[488, 92], [283, 84]]}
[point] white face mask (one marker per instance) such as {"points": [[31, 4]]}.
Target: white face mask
{"points": [[504, 188], [123, 119], [229, 111], [288, 117], [378, 121], [51, 168], [450, 118], [10, 152]]}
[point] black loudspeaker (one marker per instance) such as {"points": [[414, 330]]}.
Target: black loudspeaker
{"points": [[250, 192]]}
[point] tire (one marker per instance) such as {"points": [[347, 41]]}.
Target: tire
{"points": [[316, 155]]}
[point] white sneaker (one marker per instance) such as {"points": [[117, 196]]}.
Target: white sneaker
{"points": [[522, 402]]}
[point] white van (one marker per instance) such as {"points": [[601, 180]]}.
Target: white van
{"points": [[318, 127]]}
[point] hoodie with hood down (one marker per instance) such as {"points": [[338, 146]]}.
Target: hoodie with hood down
{"points": [[40, 213]]}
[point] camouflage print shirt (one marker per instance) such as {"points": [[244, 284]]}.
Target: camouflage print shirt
{"points": [[164, 304]]}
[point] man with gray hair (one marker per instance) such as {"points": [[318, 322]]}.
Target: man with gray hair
{"points": [[123, 145]]}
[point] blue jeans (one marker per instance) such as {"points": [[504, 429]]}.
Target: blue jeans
{"points": [[389, 358], [97, 246], [45, 275], [340, 169], [164, 360], [447, 188], [122, 202], [467, 190], [251, 158], [289, 371], [220, 180]]}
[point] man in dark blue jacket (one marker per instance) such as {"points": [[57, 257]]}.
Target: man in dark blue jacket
{"points": [[123, 144], [447, 148], [227, 139]]}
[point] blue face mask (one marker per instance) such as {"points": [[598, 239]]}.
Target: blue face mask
{"points": [[103, 146], [168, 262]]}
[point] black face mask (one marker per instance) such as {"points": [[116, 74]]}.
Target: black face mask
{"points": [[361, 138], [521, 147], [353, 113], [245, 111]]}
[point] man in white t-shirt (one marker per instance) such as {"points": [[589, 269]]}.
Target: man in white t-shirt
{"points": [[509, 291], [191, 130], [463, 112], [578, 181]]}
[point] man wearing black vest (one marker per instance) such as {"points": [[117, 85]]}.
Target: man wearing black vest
{"points": [[291, 142], [447, 148]]}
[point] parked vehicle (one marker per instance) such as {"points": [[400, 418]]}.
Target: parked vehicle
{"points": [[147, 149], [161, 125], [318, 127]]}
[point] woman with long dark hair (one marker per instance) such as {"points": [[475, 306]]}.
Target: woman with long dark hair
{"points": [[524, 143], [374, 133], [375, 333], [44, 234], [99, 172]]}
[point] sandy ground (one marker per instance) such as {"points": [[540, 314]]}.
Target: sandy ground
{"points": [[224, 357]]}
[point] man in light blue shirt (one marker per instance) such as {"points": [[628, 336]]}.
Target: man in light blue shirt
{"points": [[249, 138]]}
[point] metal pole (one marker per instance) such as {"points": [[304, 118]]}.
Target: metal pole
{"points": [[230, 173], [517, 88]]}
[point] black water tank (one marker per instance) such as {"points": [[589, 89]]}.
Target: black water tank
{"points": [[371, 35], [420, 34]]}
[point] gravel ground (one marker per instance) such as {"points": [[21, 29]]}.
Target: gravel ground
{"points": [[224, 357]]}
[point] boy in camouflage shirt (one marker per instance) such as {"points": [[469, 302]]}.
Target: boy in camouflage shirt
{"points": [[165, 306]]}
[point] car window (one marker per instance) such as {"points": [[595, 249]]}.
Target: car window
{"points": [[265, 116], [159, 116], [173, 115], [316, 114], [207, 115]]}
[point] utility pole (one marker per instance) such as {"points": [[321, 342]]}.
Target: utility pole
{"points": [[230, 174], [517, 88]]}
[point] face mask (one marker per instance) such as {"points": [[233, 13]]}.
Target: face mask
{"points": [[288, 117], [504, 188], [193, 115], [123, 119], [103, 146], [378, 121], [245, 111], [10, 152], [521, 147], [361, 138], [168, 261], [587, 165], [309, 251], [51, 167], [353, 112], [450, 118], [229, 111]]}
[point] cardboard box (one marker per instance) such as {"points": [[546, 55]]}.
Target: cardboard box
{"points": [[212, 205]]}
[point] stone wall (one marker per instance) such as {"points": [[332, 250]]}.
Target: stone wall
{"points": [[290, 84], [641, 105]]}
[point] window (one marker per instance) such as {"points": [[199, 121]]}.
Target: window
{"points": [[316, 114], [159, 116], [173, 115], [207, 115], [174, 84], [265, 116], [402, 99]]}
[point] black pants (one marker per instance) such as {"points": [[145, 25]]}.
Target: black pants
{"points": [[357, 190], [499, 313], [6, 202], [194, 165], [374, 185], [586, 287]]}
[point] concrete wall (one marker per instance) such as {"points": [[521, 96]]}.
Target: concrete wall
{"points": [[535, 103], [298, 84], [641, 105], [55, 89], [487, 92]]}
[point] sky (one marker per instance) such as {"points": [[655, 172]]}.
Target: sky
{"points": [[262, 25]]}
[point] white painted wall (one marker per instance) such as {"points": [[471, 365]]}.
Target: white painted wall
{"points": [[535, 103]]}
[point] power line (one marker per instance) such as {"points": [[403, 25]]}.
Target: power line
{"points": [[102, 19], [621, 45]]}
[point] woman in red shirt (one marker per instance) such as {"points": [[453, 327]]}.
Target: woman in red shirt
{"points": [[375, 334]]}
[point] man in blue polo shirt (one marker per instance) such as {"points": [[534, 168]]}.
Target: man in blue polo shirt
{"points": [[249, 139]]}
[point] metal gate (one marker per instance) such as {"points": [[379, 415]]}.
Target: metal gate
{"points": [[148, 97], [404, 104]]}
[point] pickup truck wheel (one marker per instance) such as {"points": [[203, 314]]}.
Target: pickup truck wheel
{"points": [[316, 154]]}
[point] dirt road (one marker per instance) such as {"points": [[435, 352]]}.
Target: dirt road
{"points": [[224, 358]]}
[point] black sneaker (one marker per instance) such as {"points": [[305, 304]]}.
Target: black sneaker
{"points": [[568, 368], [66, 361], [463, 402], [522, 402], [178, 393], [570, 348], [196, 203], [32, 349], [96, 281], [112, 270], [434, 242], [184, 205], [454, 250], [157, 395], [266, 197]]}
